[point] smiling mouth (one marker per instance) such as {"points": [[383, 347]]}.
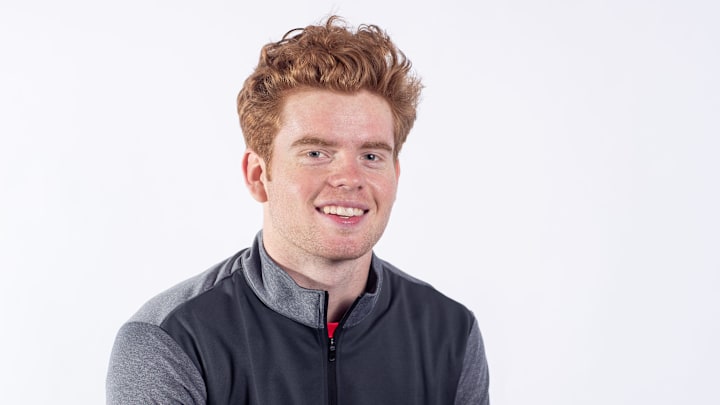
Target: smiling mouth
{"points": [[345, 212]]}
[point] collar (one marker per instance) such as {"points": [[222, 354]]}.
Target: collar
{"points": [[277, 290]]}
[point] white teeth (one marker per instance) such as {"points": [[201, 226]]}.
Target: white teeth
{"points": [[342, 211]]}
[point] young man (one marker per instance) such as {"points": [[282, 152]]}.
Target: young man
{"points": [[308, 314]]}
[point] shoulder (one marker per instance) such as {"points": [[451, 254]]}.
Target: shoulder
{"points": [[423, 298], [159, 307], [147, 363], [401, 280]]}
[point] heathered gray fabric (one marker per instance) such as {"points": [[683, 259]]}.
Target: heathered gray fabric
{"points": [[155, 310], [474, 380], [147, 364], [366, 303], [278, 290]]}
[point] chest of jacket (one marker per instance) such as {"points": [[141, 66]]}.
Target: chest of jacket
{"points": [[247, 353]]}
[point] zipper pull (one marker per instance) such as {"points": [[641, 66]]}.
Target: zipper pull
{"points": [[331, 349]]}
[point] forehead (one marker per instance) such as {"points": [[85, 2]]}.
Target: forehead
{"points": [[361, 116]]}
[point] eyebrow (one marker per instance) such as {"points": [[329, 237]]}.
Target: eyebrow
{"points": [[315, 141], [377, 145], [312, 140]]}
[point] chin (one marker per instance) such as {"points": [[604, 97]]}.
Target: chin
{"points": [[341, 253]]}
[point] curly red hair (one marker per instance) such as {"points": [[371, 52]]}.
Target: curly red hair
{"points": [[330, 57]]}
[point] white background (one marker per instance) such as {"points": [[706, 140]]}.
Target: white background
{"points": [[561, 181]]}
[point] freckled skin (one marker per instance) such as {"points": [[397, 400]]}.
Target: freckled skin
{"points": [[332, 149]]}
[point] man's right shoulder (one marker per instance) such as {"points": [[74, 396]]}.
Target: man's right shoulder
{"points": [[160, 306], [147, 364]]}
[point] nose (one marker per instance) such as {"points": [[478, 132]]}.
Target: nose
{"points": [[346, 173]]}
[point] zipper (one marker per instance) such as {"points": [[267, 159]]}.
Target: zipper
{"points": [[331, 350], [331, 356], [332, 372], [332, 345]]}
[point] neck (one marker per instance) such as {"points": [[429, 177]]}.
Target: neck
{"points": [[343, 285], [343, 280]]}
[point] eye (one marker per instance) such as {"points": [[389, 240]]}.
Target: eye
{"points": [[372, 157], [314, 154]]}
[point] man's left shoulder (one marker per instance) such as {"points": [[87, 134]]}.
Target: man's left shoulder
{"points": [[421, 293]]}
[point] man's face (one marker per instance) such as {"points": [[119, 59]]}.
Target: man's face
{"points": [[334, 178]]}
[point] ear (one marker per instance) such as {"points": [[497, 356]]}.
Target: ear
{"points": [[397, 169], [254, 172]]}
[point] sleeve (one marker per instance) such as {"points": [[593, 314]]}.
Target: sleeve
{"points": [[147, 366], [474, 379]]}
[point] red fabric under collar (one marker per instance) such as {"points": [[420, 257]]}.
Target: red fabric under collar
{"points": [[331, 326]]}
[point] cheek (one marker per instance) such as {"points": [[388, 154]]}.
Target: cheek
{"points": [[290, 187], [386, 187]]}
